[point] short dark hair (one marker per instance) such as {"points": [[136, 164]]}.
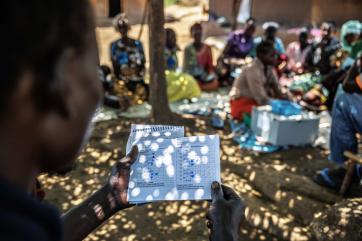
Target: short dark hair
{"points": [[264, 48], [37, 33], [196, 26]]}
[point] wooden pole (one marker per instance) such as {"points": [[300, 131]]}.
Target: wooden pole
{"points": [[161, 113]]}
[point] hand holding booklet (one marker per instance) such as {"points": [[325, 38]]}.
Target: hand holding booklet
{"points": [[171, 166]]}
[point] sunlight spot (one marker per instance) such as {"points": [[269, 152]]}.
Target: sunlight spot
{"points": [[156, 193], [135, 192], [192, 155], [154, 146], [167, 159], [146, 176], [192, 138], [171, 195], [147, 143], [159, 161], [156, 133], [149, 198], [252, 176], [169, 150], [204, 160], [167, 134], [202, 138], [170, 170], [142, 159], [131, 184], [184, 196], [199, 193], [197, 178], [204, 150], [160, 140]]}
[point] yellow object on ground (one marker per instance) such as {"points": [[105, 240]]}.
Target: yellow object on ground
{"points": [[181, 86]]}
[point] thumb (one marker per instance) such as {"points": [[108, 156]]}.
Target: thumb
{"points": [[131, 157], [216, 192]]}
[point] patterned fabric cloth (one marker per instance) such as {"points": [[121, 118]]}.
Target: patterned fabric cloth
{"points": [[199, 64], [256, 82], [128, 60], [346, 123], [239, 45]]}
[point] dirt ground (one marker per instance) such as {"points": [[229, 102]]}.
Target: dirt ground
{"points": [[275, 209], [171, 220]]}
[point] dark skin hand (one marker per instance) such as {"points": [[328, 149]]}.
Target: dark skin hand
{"points": [[225, 215], [103, 204]]}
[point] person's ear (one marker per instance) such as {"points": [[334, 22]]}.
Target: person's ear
{"points": [[64, 76]]}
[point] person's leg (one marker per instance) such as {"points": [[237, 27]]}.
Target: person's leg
{"points": [[346, 123]]}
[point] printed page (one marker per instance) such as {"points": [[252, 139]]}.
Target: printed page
{"points": [[198, 165], [174, 169]]}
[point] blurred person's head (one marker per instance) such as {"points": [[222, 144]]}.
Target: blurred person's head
{"points": [[122, 24], [171, 38], [250, 28], [265, 52], [49, 87], [270, 30], [327, 30], [350, 32], [196, 32], [303, 37]]}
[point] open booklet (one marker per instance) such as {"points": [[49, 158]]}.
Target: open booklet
{"points": [[171, 166]]}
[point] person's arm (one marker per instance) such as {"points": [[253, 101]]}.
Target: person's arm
{"points": [[226, 214], [103, 204], [112, 51]]}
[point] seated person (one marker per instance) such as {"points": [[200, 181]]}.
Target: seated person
{"points": [[257, 83], [357, 46], [350, 32], [320, 57], [346, 124], [239, 46], [198, 60], [46, 114], [270, 34], [179, 85], [297, 52], [171, 50], [128, 58]]}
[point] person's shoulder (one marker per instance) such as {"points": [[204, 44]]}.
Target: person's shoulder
{"points": [[115, 41], [189, 46]]}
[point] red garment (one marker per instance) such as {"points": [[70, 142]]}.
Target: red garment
{"points": [[240, 106], [204, 58]]}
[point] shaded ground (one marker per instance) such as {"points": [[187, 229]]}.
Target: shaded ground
{"points": [[184, 220]]}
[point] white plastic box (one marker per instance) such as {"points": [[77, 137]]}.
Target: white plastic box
{"points": [[284, 130]]}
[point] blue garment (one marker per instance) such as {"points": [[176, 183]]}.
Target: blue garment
{"points": [[24, 218], [346, 123]]}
